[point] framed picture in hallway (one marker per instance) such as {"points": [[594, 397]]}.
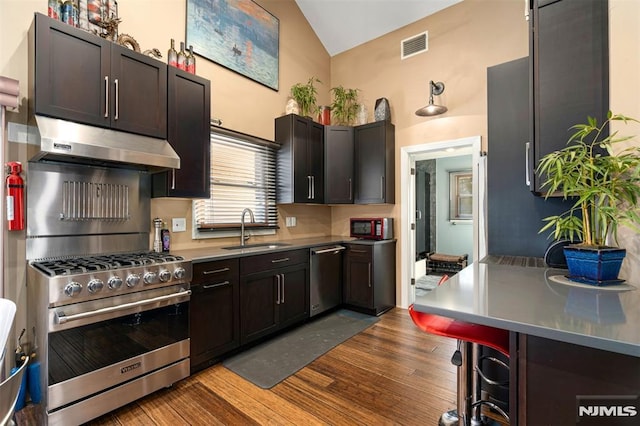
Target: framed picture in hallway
{"points": [[237, 34]]}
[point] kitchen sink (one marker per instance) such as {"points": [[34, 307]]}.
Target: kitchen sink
{"points": [[263, 246]]}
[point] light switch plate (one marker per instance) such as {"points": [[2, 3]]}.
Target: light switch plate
{"points": [[178, 224]]}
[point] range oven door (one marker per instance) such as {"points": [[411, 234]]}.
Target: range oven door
{"points": [[93, 346]]}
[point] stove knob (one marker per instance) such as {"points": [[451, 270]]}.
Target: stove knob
{"points": [[133, 280], [114, 283], [179, 273], [72, 289], [165, 276], [150, 278], [95, 285]]}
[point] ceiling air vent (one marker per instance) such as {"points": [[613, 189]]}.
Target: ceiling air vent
{"points": [[414, 45]]}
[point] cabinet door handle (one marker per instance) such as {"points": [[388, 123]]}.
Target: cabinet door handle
{"points": [[284, 259], [282, 283], [358, 251], [369, 275], [215, 271], [313, 187], [277, 277], [350, 189], [527, 175], [308, 187], [382, 187], [106, 96], [223, 283], [115, 117], [173, 178]]}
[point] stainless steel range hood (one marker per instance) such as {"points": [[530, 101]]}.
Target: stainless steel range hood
{"points": [[67, 141]]}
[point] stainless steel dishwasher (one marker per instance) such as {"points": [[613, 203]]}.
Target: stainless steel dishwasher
{"points": [[326, 278]]}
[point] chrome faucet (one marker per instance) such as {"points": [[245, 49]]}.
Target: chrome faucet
{"points": [[253, 220]]}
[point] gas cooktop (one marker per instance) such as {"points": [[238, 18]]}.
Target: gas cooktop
{"points": [[84, 264]]}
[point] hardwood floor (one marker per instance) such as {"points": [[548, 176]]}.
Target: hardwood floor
{"points": [[391, 373]]}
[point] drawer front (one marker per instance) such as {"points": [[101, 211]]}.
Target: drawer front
{"points": [[359, 250], [215, 272], [265, 262]]}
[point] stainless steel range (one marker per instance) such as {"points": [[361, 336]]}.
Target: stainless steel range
{"points": [[111, 317]]}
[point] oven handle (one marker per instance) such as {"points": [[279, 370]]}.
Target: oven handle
{"points": [[61, 318]]}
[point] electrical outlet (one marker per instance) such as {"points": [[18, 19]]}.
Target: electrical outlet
{"points": [[178, 224], [290, 221]]}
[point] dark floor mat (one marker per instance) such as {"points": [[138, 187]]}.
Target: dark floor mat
{"points": [[271, 362]]}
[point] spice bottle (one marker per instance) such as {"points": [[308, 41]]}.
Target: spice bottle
{"points": [[166, 237]]}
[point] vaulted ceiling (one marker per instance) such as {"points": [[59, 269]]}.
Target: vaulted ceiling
{"points": [[343, 24]]}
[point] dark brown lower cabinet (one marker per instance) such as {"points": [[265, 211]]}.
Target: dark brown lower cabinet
{"points": [[370, 276], [274, 292], [555, 378], [214, 318]]}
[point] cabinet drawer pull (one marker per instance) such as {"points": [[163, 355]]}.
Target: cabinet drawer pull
{"points": [[117, 99], [358, 251], [215, 271], [284, 259], [223, 283], [106, 96]]}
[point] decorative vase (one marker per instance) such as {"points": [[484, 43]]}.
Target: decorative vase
{"points": [[362, 114], [291, 107], [595, 266], [382, 111]]}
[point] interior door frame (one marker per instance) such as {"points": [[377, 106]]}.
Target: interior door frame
{"points": [[448, 148]]}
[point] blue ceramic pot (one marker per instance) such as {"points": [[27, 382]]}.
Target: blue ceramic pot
{"points": [[597, 266]]}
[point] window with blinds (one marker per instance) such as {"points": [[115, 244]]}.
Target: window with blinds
{"points": [[243, 175]]}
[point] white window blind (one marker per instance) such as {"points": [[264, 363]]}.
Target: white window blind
{"points": [[243, 175]]}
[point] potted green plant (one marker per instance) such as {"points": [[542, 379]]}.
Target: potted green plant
{"points": [[344, 107], [604, 187], [305, 96]]}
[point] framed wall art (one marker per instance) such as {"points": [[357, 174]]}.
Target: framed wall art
{"points": [[238, 34]]}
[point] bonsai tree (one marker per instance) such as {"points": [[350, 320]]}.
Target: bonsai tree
{"points": [[345, 105], [606, 187], [306, 96]]}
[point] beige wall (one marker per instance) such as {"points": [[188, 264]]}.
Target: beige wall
{"points": [[463, 41]]}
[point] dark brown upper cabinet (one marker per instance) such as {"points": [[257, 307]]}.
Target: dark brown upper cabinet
{"points": [[375, 163], [189, 115], [300, 160], [339, 183], [569, 58], [81, 77]]}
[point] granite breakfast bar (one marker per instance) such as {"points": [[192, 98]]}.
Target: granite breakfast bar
{"points": [[566, 341]]}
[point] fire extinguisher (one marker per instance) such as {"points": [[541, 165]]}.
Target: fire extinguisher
{"points": [[15, 197]]}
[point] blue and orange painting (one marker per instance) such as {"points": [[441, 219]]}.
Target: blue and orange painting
{"points": [[237, 34]]}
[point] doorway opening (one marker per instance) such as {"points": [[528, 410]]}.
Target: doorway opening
{"points": [[442, 211]]}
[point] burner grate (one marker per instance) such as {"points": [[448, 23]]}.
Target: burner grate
{"points": [[80, 265]]}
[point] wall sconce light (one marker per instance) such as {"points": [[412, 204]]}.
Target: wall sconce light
{"points": [[432, 109]]}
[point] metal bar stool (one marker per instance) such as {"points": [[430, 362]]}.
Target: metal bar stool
{"points": [[470, 339]]}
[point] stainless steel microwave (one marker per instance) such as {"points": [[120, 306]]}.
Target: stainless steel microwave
{"points": [[371, 228]]}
